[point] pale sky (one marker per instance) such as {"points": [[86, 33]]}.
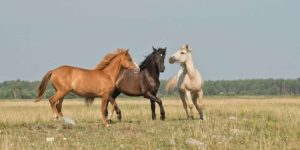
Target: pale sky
{"points": [[231, 39]]}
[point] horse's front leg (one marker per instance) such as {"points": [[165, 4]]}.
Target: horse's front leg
{"points": [[182, 97], [152, 103], [113, 108], [115, 94], [162, 110], [104, 110], [159, 101]]}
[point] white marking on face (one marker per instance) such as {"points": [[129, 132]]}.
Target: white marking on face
{"points": [[137, 66]]}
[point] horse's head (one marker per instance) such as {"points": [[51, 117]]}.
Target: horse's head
{"points": [[128, 63], [182, 55], [159, 57]]}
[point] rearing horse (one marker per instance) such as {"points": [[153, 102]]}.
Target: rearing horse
{"points": [[99, 82], [188, 80]]}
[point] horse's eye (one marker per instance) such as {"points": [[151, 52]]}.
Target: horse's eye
{"points": [[182, 53]]}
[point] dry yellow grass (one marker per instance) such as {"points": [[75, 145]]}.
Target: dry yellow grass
{"points": [[233, 123]]}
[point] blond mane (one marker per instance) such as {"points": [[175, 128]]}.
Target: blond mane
{"points": [[108, 58]]}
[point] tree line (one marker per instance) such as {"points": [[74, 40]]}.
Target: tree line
{"points": [[18, 89]]}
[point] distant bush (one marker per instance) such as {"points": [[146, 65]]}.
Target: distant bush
{"points": [[18, 89]]}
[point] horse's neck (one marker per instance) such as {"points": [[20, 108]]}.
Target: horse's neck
{"points": [[189, 68], [113, 69], [153, 71]]}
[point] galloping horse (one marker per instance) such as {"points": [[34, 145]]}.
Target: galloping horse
{"points": [[99, 82], [145, 83], [188, 80]]}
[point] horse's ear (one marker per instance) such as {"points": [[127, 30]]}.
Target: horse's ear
{"points": [[154, 49], [188, 48], [126, 52], [165, 49]]}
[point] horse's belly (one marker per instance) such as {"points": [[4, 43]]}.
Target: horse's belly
{"points": [[89, 89], [86, 93], [130, 91]]}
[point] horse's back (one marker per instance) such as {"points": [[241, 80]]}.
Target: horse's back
{"points": [[70, 72], [83, 82]]}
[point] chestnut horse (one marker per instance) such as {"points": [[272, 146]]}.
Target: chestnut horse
{"points": [[99, 82], [145, 83]]}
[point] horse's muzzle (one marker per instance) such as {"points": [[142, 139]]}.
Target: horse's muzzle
{"points": [[137, 70], [171, 60], [162, 69]]}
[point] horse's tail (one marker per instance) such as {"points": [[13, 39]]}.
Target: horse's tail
{"points": [[171, 84], [43, 86], [89, 101]]}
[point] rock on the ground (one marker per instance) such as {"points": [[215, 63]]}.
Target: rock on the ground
{"points": [[68, 120], [193, 142]]}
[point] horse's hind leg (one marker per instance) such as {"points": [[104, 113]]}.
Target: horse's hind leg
{"points": [[182, 97], [200, 106], [54, 100], [190, 103], [89, 101], [59, 107], [54, 110]]}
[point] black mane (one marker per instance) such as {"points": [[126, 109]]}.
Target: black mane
{"points": [[147, 61], [150, 59]]}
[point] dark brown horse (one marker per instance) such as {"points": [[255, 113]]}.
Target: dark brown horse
{"points": [[99, 82], [145, 83]]}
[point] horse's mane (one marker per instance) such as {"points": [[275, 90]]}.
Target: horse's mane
{"points": [[108, 58], [147, 61]]}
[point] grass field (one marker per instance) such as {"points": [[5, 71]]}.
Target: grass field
{"points": [[232, 123]]}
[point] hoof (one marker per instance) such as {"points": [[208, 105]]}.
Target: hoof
{"points": [[202, 118], [162, 118], [153, 117], [55, 118], [107, 125], [119, 117], [190, 117], [109, 121]]}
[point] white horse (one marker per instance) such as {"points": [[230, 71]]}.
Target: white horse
{"points": [[188, 80]]}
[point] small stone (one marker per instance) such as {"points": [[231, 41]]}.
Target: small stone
{"points": [[245, 119], [68, 120], [50, 139], [193, 142], [232, 118], [172, 142], [238, 132]]}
